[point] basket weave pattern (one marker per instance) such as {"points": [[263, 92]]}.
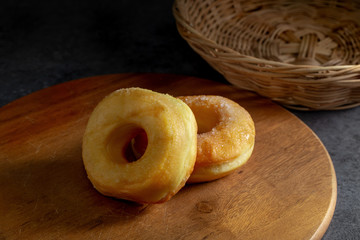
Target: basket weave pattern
{"points": [[302, 54]]}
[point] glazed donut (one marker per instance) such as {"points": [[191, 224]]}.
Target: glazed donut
{"points": [[226, 136], [170, 130]]}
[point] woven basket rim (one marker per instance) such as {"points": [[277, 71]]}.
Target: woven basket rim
{"points": [[300, 84], [249, 58]]}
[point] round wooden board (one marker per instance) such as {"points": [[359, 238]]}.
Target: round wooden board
{"points": [[287, 190]]}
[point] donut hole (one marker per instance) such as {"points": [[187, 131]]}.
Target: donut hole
{"points": [[206, 119], [137, 146], [127, 143]]}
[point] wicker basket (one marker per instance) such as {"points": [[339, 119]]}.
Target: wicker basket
{"points": [[302, 54]]}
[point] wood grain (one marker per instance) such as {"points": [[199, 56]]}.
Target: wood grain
{"points": [[287, 190]]}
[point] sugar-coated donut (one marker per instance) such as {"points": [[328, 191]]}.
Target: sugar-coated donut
{"points": [[170, 130], [226, 136]]}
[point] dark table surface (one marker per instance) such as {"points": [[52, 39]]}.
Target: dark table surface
{"points": [[43, 43]]}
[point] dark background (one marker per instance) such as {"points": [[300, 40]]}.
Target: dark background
{"points": [[43, 43]]}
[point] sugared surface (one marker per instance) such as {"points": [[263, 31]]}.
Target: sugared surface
{"points": [[226, 136], [286, 190]]}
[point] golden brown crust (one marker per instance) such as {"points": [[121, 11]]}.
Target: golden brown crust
{"points": [[226, 137], [168, 160]]}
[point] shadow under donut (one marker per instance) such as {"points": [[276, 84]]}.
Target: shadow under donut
{"points": [[53, 196]]}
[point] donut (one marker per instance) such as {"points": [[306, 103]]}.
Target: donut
{"points": [[168, 156], [226, 136]]}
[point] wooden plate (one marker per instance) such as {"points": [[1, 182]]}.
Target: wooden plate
{"points": [[287, 190]]}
